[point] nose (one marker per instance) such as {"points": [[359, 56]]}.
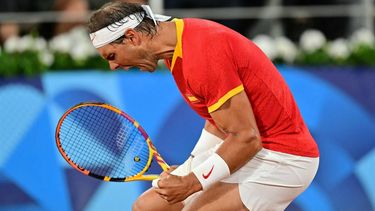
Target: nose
{"points": [[113, 65]]}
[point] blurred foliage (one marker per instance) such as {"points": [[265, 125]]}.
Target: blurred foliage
{"points": [[362, 55], [63, 61], [23, 63], [32, 55], [319, 57], [28, 63]]}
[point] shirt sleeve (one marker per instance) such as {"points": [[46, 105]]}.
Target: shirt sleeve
{"points": [[218, 80]]}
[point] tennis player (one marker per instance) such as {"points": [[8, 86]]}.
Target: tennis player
{"points": [[255, 151]]}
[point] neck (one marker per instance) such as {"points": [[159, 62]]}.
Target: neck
{"points": [[164, 42]]}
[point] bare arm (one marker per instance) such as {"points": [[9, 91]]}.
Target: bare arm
{"points": [[235, 123]]}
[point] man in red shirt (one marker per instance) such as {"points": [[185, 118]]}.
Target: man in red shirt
{"points": [[255, 151]]}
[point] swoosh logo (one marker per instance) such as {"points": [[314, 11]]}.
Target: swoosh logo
{"points": [[209, 173]]}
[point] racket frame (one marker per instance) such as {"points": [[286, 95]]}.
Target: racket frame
{"points": [[153, 153]]}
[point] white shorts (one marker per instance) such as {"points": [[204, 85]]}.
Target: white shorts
{"points": [[269, 181]]}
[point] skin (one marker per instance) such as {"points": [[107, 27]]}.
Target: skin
{"points": [[235, 124], [139, 50]]}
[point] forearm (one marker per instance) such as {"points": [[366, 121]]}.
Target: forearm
{"points": [[239, 147], [236, 125]]}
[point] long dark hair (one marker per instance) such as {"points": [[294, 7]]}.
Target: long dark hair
{"points": [[115, 11]]}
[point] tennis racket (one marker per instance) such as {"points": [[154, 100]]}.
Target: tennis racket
{"points": [[101, 141]]}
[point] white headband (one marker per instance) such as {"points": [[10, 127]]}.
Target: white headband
{"points": [[115, 30]]}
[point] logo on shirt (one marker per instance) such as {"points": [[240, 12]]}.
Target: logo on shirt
{"points": [[192, 98], [206, 176]]}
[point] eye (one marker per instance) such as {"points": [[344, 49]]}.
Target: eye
{"points": [[111, 56]]}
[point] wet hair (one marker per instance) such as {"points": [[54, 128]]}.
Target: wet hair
{"points": [[114, 12]]}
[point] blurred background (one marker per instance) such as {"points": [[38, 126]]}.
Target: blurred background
{"points": [[324, 49]]}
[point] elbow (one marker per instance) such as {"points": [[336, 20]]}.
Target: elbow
{"points": [[253, 139]]}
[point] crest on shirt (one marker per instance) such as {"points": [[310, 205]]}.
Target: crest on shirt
{"points": [[192, 98]]}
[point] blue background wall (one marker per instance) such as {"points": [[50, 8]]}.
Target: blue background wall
{"points": [[337, 104]]}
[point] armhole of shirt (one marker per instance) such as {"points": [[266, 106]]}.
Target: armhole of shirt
{"points": [[225, 98]]}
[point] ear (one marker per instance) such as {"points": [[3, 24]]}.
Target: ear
{"points": [[132, 37]]}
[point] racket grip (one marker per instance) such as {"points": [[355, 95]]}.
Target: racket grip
{"points": [[155, 183]]}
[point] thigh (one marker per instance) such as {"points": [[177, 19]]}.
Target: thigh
{"points": [[221, 196], [267, 197], [151, 201]]}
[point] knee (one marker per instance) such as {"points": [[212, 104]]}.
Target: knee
{"points": [[151, 201], [139, 205], [148, 201]]}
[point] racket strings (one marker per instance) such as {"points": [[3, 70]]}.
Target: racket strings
{"points": [[101, 141], [96, 118], [79, 134], [106, 119], [137, 153]]}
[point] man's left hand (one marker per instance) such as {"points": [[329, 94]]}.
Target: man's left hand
{"points": [[175, 189]]}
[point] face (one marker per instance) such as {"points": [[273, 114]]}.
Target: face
{"points": [[132, 52]]}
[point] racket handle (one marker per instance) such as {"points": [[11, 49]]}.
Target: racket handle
{"points": [[155, 183]]}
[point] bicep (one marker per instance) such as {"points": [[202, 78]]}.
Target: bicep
{"points": [[235, 115], [236, 119]]}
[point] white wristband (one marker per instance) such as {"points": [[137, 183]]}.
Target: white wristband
{"points": [[205, 142], [211, 171], [155, 183]]}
